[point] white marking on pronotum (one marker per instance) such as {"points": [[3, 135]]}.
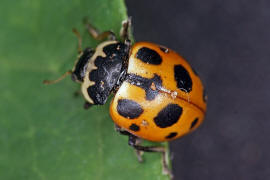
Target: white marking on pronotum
{"points": [[91, 66]]}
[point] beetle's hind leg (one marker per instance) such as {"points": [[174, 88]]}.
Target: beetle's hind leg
{"points": [[135, 141], [139, 153], [126, 133], [132, 141], [96, 34]]}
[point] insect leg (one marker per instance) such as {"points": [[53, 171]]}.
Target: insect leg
{"points": [[124, 32], [132, 142], [126, 133], [96, 34], [87, 105], [79, 39], [121, 131]]}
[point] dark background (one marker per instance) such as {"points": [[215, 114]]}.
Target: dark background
{"points": [[227, 42]]}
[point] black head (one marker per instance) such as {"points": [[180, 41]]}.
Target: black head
{"points": [[100, 70], [80, 67]]}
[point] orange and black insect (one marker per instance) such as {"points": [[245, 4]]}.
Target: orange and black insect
{"points": [[158, 96]]}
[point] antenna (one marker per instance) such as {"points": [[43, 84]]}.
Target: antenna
{"points": [[57, 80]]}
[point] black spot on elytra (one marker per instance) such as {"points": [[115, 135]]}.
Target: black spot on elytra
{"points": [[165, 50], [171, 135], [168, 116], [134, 127], [148, 56], [146, 84], [182, 78], [194, 122], [108, 71], [129, 109]]}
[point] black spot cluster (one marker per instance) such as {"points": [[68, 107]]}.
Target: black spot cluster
{"points": [[146, 84], [148, 56], [168, 116], [182, 78], [108, 72]]}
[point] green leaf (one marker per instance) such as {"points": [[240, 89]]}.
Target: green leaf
{"points": [[44, 131]]}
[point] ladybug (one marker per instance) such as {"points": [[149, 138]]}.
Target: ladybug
{"points": [[157, 95]]}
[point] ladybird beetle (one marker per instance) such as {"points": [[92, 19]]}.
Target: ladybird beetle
{"points": [[158, 96]]}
